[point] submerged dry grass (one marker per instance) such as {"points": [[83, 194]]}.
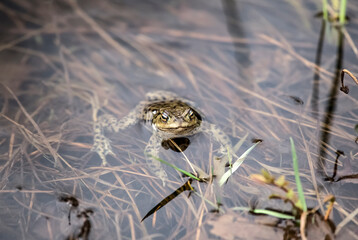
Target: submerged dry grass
{"points": [[64, 61]]}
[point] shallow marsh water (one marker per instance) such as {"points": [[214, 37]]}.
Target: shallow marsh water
{"points": [[247, 65]]}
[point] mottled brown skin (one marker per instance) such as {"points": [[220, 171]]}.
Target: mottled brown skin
{"points": [[172, 118], [169, 116]]}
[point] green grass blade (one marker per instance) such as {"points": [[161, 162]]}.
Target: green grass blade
{"points": [[175, 167], [342, 12], [266, 212], [273, 214], [236, 165], [301, 195], [324, 10]]}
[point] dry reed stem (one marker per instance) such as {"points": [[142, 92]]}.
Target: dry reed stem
{"points": [[312, 171], [101, 32], [85, 81], [43, 138], [13, 43]]}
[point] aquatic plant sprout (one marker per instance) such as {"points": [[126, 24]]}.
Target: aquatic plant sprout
{"points": [[280, 182], [301, 195], [324, 10], [342, 12]]}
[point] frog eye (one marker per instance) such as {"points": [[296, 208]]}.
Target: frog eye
{"points": [[164, 117], [190, 114]]}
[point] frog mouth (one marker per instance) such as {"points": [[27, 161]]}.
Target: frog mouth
{"points": [[178, 130], [169, 129]]}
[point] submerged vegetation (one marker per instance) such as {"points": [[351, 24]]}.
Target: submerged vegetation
{"points": [[187, 186], [260, 71], [299, 211]]}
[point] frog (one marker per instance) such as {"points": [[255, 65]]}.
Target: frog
{"points": [[168, 116]]}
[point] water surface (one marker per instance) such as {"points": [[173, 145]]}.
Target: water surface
{"points": [[248, 66]]}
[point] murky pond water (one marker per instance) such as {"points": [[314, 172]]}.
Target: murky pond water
{"points": [[258, 70]]}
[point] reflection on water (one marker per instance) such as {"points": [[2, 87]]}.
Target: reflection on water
{"points": [[316, 76], [82, 230], [176, 144], [331, 107], [64, 60], [186, 187], [339, 153], [72, 201], [235, 28]]}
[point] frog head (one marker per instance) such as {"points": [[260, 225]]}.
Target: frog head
{"points": [[175, 117]]}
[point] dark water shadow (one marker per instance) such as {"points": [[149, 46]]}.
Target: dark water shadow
{"points": [[179, 144], [83, 230], [316, 76], [330, 108], [185, 187], [236, 30]]}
